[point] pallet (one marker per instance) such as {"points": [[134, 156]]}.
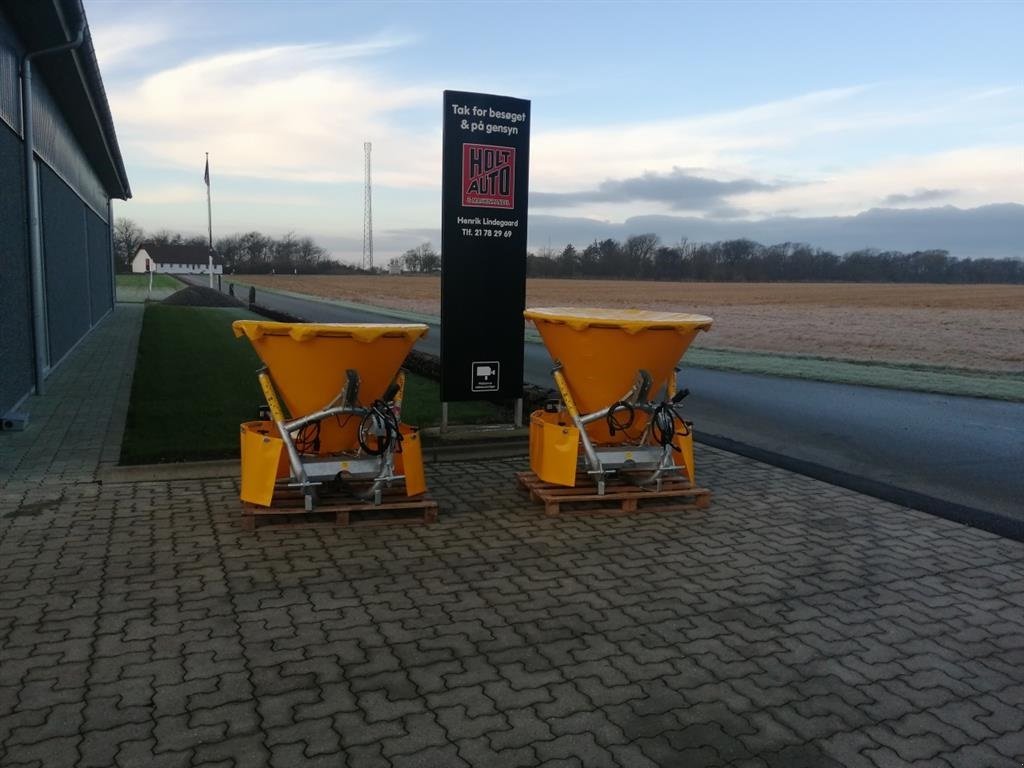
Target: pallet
{"points": [[621, 497], [288, 509]]}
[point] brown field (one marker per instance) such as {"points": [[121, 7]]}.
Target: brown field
{"points": [[979, 327]]}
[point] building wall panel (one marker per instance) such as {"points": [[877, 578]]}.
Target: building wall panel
{"points": [[10, 94], [16, 368], [57, 147], [66, 255], [56, 144], [100, 266], [75, 241]]}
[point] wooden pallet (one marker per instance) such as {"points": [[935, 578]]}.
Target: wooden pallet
{"points": [[621, 497], [288, 509]]}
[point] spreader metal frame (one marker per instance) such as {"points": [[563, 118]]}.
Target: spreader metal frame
{"points": [[605, 462], [309, 472]]}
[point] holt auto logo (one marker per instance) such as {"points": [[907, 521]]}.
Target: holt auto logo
{"points": [[488, 176]]}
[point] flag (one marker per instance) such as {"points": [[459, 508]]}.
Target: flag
{"points": [[206, 173]]}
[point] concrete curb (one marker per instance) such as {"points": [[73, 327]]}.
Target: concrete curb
{"points": [[182, 470], [461, 445]]}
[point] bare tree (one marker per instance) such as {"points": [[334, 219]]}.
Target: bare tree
{"points": [[430, 260], [640, 250], [128, 237], [309, 255], [422, 258]]}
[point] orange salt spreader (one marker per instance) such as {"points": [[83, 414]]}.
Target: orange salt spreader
{"points": [[342, 387], [615, 370]]}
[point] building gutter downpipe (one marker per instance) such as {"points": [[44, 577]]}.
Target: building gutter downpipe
{"points": [[35, 238], [113, 260]]}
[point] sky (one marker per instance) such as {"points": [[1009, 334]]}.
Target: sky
{"points": [[731, 118]]}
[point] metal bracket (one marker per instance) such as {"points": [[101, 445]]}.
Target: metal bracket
{"points": [[13, 421]]}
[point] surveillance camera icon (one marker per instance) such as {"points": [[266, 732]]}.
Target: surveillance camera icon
{"points": [[485, 376]]}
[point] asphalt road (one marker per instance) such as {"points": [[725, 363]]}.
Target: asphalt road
{"points": [[959, 457]]}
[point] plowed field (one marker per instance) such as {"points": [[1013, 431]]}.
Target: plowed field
{"points": [[977, 327]]}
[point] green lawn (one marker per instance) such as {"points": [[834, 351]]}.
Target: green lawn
{"points": [[422, 406], [166, 282], [195, 383], [908, 376], [135, 288]]}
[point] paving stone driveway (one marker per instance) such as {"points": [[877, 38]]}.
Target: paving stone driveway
{"points": [[791, 624]]}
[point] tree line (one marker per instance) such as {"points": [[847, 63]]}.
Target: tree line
{"points": [[423, 258], [249, 252], [638, 257], [256, 253], [645, 257]]}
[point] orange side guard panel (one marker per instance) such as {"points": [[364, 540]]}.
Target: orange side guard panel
{"points": [[554, 448], [410, 461], [263, 461]]}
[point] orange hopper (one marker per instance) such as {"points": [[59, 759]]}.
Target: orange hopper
{"points": [[327, 376], [600, 354]]}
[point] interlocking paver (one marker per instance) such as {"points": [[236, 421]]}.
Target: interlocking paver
{"points": [[239, 750], [525, 728], [790, 624], [1010, 745], [431, 757], [971, 755], [175, 733], [631, 756], [480, 752], [57, 751], [660, 751], [356, 732], [422, 732], [459, 724], [100, 748], [131, 754]]}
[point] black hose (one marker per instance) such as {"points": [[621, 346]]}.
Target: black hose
{"points": [[380, 416], [307, 440], [663, 424], [614, 425]]}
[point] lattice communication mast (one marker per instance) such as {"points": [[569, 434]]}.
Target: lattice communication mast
{"points": [[367, 213]]}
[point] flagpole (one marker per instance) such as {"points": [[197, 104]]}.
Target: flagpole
{"points": [[209, 216]]}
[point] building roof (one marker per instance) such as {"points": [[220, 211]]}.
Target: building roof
{"points": [[75, 82], [178, 254]]}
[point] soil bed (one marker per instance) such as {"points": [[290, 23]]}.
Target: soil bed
{"points": [[200, 296], [970, 327]]}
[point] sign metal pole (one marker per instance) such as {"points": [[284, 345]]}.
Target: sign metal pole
{"points": [[209, 217]]}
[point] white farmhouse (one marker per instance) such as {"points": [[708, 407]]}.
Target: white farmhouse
{"points": [[175, 259]]}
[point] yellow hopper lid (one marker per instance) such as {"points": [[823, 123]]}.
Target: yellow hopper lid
{"points": [[628, 320], [601, 350], [365, 332], [308, 364]]}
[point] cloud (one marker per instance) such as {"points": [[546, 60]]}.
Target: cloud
{"points": [[920, 196], [728, 212], [985, 231], [678, 189], [837, 151], [292, 112], [149, 194], [300, 114], [119, 43], [723, 140], [969, 177]]}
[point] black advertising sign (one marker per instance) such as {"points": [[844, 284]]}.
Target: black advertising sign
{"points": [[484, 189]]}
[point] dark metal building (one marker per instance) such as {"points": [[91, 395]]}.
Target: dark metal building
{"points": [[56, 260]]}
